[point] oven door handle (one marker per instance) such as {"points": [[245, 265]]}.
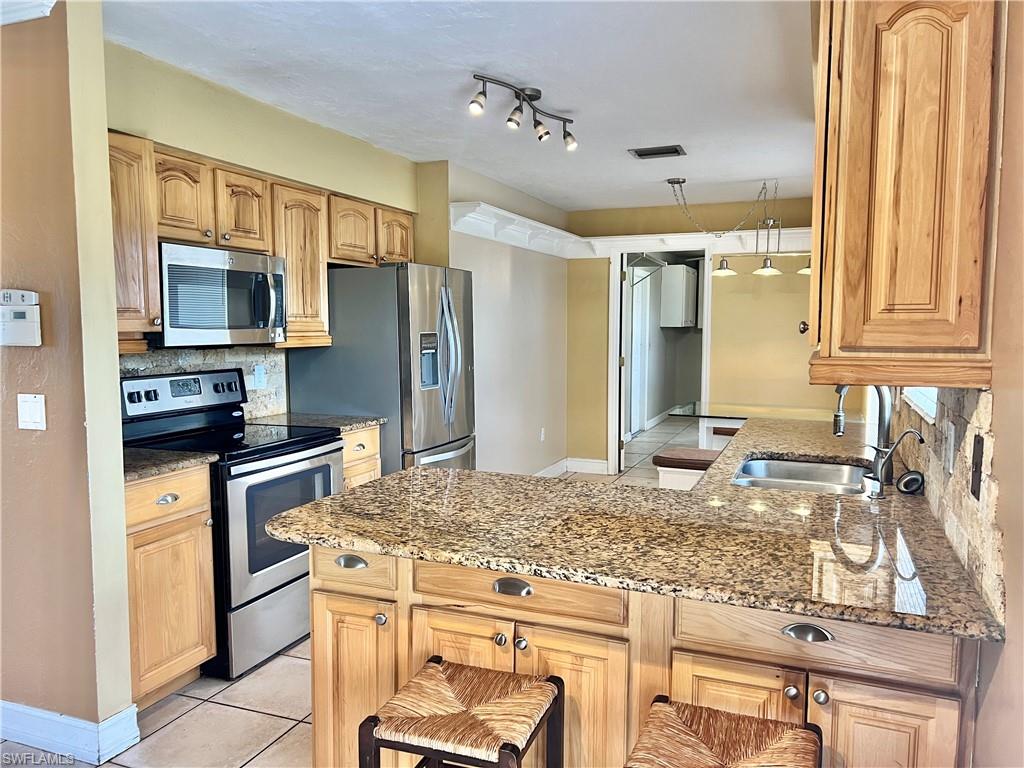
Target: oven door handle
{"points": [[291, 458]]}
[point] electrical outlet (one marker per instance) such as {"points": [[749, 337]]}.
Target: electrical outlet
{"points": [[949, 446], [259, 377], [542, 434]]}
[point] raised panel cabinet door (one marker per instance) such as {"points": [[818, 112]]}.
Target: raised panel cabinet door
{"points": [[394, 236], [870, 725], [353, 661], [361, 473], [353, 231], [758, 690], [242, 204], [300, 234], [184, 199], [136, 254], [912, 89], [170, 591], [596, 674], [477, 641]]}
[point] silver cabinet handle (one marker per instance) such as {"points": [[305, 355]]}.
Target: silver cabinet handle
{"points": [[207, 233], [809, 633], [820, 696], [358, 447], [209, 522], [791, 692], [226, 236], [350, 561], [803, 327], [508, 585], [381, 619], [168, 498], [521, 643], [157, 322], [500, 639]]}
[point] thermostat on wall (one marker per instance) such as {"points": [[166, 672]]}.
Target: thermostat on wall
{"points": [[19, 318]]}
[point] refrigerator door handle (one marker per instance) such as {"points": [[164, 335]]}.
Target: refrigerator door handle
{"points": [[457, 364], [452, 353], [442, 339], [448, 455]]}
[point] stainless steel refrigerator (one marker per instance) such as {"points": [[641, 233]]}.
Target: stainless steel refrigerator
{"points": [[403, 349]]}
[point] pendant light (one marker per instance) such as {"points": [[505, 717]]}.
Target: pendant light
{"points": [[767, 269], [805, 270], [723, 269]]}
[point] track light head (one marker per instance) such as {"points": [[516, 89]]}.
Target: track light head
{"points": [[476, 104], [543, 134], [515, 117], [571, 145]]}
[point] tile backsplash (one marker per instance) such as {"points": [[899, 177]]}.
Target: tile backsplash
{"points": [[969, 522], [266, 401]]}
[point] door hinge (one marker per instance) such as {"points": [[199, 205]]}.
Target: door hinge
{"points": [[622, 362], [622, 276], [622, 444]]}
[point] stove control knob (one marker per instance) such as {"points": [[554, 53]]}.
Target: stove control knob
{"points": [[232, 386], [134, 396], [152, 394], [218, 387]]}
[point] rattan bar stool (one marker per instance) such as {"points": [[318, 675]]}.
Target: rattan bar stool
{"points": [[682, 735], [457, 714]]}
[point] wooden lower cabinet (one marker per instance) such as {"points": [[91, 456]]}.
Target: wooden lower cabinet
{"points": [[363, 472], [758, 690], [872, 725], [478, 641], [353, 659], [170, 594]]}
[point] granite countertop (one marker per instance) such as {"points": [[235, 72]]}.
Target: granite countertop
{"points": [[142, 463], [344, 423], [884, 562]]}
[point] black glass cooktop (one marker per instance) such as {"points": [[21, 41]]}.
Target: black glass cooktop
{"points": [[247, 440]]}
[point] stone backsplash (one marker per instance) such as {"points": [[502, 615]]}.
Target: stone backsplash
{"points": [[267, 401], [970, 523]]}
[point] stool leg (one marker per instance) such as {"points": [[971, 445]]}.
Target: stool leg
{"points": [[555, 751], [509, 756], [369, 752]]}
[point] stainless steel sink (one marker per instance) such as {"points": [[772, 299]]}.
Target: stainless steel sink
{"points": [[813, 476]]}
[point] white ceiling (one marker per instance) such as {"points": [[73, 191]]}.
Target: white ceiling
{"points": [[730, 81]]}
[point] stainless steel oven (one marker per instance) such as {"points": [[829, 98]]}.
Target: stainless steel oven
{"points": [[216, 297]]}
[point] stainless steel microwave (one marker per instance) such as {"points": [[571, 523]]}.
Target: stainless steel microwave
{"points": [[212, 297]]}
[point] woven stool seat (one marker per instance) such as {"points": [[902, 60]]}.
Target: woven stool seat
{"points": [[465, 711], [685, 458], [683, 735]]}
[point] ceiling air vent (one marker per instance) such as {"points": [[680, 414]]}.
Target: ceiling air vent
{"points": [[653, 153]]}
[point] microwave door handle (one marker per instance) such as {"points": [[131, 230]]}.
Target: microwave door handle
{"points": [[272, 296]]}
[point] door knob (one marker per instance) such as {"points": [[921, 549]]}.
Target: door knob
{"points": [[500, 639], [820, 696], [803, 327], [381, 619], [791, 692], [521, 643]]}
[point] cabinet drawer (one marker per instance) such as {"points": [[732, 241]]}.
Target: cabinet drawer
{"points": [[859, 648], [347, 568], [545, 595], [361, 472], [362, 444], [166, 495]]}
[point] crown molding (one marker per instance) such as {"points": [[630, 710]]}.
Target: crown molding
{"points": [[491, 223], [14, 11]]}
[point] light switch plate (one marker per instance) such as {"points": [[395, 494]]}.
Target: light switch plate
{"points": [[31, 411], [259, 376]]}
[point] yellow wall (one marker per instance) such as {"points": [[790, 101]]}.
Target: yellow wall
{"points": [[432, 243], [587, 353], [757, 355], [667, 219], [148, 98]]}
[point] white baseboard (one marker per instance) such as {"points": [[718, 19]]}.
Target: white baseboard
{"points": [[64, 735], [652, 423], [554, 470], [590, 466]]}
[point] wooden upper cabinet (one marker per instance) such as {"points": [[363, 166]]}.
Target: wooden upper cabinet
{"points": [[394, 235], [900, 193], [300, 231], [242, 204], [353, 661], [871, 725], [353, 231], [184, 199], [136, 255], [758, 690]]}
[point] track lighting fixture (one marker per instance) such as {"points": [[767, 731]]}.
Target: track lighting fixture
{"points": [[515, 117], [723, 269], [527, 97], [476, 104]]}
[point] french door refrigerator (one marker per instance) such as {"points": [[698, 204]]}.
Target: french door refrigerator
{"points": [[403, 349]]}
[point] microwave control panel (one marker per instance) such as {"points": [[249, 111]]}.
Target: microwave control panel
{"points": [[169, 393]]}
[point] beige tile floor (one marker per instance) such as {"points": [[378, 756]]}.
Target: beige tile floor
{"points": [[263, 719], [675, 431]]}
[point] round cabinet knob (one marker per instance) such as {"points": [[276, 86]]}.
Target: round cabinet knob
{"points": [[209, 522], [500, 639], [157, 321], [803, 327], [381, 619], [207, 233], [226, 236], [791, 692], [521, 643], [820, 696], [383, 259]]}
